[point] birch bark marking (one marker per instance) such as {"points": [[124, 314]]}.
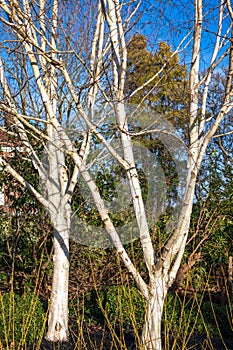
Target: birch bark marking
{"points": [[60, 211], [151, 334], [58, 307], [194, 80], [60, 214]]}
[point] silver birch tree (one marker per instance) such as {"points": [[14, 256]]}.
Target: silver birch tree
{"points": [[40, 41], [57, 192]]}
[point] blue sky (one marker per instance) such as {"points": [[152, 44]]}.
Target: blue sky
{"points": [[171, 21]]}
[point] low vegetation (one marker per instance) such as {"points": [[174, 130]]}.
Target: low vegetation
{"points": [[106, 310]]}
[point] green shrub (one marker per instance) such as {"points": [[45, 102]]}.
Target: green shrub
{"points": [[195, 316], [123, 305], [22, 318], [218, 318], [120, 304], [183, 316], [85, 307]]}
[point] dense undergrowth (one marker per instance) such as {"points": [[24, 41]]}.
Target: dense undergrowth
{"points": [[106, 310], [112, 317]]}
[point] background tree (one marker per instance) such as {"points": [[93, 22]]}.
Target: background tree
{"points": [[167, 90]]}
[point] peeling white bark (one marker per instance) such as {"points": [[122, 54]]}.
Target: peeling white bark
{"points": [[151, 334], [58, 305]]}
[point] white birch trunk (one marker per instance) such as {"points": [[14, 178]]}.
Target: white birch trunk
{"points": [[60, 214], [58, 307], [151, 334], [60, 211]]}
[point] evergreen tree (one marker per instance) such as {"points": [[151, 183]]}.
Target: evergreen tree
{"points": [[166, 91]]}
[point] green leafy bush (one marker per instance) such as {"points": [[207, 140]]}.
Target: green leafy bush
{"points": [[119, 304], [183, 317], [123, 305], [195, 316], [85, 307], [218, 318], [22, 318]]}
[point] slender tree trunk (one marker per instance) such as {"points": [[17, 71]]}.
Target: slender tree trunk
{"points": [[151, 334], [58, 308]]}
